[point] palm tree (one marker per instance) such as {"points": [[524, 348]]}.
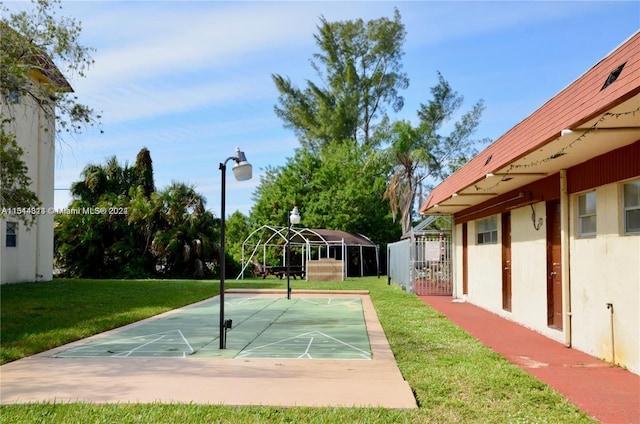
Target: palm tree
{"points": [[421, 156], [409, 152], [101, 179], [184, 239]]}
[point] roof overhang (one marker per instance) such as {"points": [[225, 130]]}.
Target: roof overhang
{"points": [[607, 132], [580, 123]]}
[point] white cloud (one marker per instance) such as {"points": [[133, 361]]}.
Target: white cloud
{"points": [[191, 80], [182, 37]]}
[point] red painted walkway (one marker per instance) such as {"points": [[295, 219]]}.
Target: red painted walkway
{"points": [[608, 394]]}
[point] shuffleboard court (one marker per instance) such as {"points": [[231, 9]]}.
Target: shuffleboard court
{"points": [[263, 326]]}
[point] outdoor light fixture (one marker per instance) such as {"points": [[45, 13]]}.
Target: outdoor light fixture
{"points": [[242, 171], [294, 218], [565, 131]]}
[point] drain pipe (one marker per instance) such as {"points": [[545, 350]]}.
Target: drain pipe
{"points": [[613, 340], [565, 246]]}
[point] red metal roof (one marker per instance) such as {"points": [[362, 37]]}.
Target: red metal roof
{"points": [[580, 102]]}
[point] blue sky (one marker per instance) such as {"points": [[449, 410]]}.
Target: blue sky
{"points": [[192, 80]]}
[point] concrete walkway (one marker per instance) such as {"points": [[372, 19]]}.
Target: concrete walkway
{"points": [[608, 394], [278, 382]]}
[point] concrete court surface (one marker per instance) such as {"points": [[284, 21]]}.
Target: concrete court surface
{"points": [[275, 382]]}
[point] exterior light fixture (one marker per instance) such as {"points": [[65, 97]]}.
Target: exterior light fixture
{"points": [[242, 171], [294, 218], [565, 131]]}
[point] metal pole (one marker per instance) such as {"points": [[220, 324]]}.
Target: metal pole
{"points": [[288, 256], [242, 172], [223, 168]]}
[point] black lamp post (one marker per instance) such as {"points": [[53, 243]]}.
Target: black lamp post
{"points": [[242, 171], [294, 218]]}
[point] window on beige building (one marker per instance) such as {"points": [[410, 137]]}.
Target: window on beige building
{"points": [[487, 230], [587, 214], [631, 205]]}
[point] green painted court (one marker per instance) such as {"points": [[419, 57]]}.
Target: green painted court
{"points": [[263, 326]]}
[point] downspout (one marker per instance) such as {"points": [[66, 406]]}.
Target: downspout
{"points": [[565, 247], [452, 260]]}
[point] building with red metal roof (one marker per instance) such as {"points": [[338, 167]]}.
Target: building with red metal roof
{"points": [[547, 218]]}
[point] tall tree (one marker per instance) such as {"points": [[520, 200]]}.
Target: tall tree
{"points": [[421, 155], [112, 177], [360, 71], [118, 230], [336, 192], [409, 154], [32, 43], [185, 239], [144, 172]]}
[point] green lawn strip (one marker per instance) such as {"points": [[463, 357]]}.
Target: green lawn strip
{"points": [[455, 378], [82, 413]]}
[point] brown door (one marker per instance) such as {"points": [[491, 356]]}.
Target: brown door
{"points": [[554, 268], [465, 260], [506, 261]]}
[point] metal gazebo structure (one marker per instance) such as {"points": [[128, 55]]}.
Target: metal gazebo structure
{"points": [[266, 246]]}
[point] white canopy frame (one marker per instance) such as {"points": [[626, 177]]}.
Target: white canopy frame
{"points": [[310, 241]]}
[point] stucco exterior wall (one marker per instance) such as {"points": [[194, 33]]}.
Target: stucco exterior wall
{"points": [[32, 258], [485, 284], [606, 269], [529, 271], [603, 269]]}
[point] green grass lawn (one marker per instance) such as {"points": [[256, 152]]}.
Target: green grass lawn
{"points": [[454, 377]]}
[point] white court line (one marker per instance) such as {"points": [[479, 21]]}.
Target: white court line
{"points": [[185, 340], [98, 347], [306, 352], [363, 352], [330, 302], [346, 344], [139, 347]]}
